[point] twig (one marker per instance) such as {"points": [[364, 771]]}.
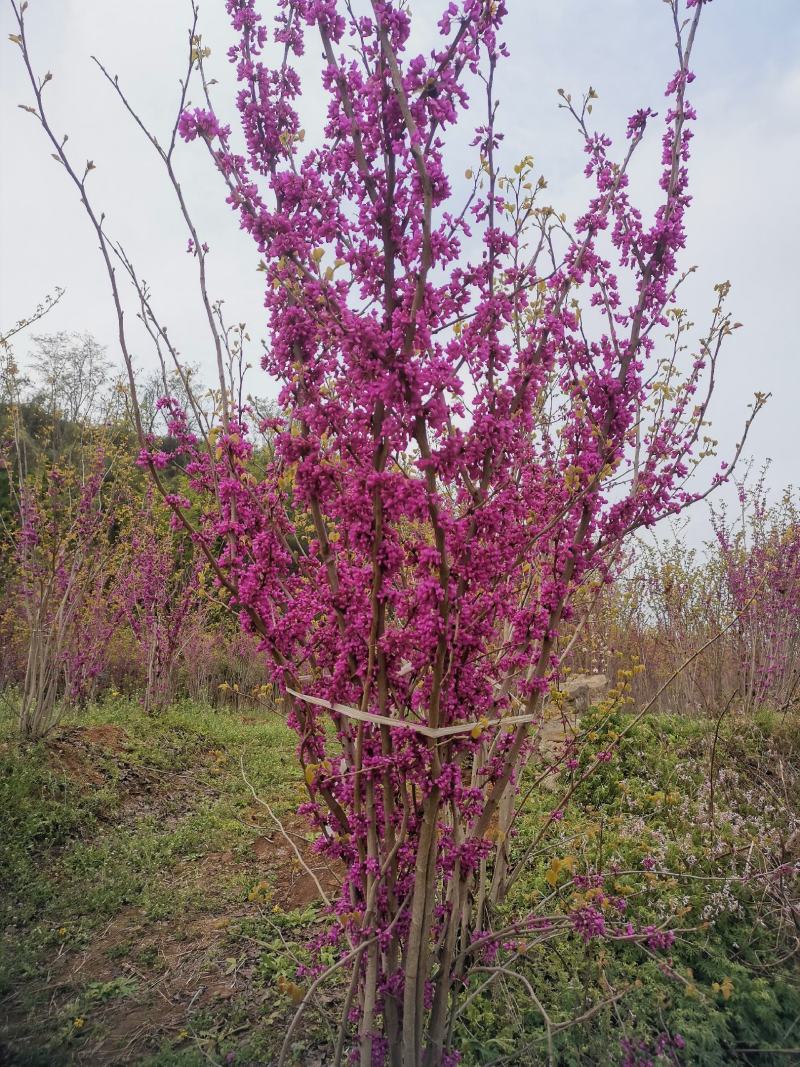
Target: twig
{"points": [[496, 972], [355, 952], [515, 873], [711, 766], [279, 824]]}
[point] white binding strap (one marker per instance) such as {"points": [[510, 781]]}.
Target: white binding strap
{"points": [[405, 724]]}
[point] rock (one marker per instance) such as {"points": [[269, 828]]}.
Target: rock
{"points": [[583, 691], [560, 721]]}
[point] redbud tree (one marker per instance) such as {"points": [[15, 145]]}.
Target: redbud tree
{"points": [[156, 593], [759, 555], [60, 539], [479, 403]]}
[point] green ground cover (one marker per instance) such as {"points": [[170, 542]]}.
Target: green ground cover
{"points": [[152, 913]]}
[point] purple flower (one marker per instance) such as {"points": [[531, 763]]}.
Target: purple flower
{"points": [[589, 923], [198, 123]]}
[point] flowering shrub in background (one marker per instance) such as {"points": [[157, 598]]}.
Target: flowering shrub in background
{"points": [[739, 591], [760, 556], [62, 551], [157, 594]]}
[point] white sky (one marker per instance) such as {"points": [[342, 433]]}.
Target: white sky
{"points": [[744, 225]]}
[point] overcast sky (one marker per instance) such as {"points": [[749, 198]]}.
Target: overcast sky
{"points": [[744, 224]]}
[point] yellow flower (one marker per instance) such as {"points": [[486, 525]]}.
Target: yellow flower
{"points": [[79, 1023]]}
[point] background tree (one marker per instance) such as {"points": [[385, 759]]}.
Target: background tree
{"points": [[156, 593], [71, 371]]}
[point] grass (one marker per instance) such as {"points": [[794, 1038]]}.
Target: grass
{"points": [[133, 887], [719, 866], [152, 915]]}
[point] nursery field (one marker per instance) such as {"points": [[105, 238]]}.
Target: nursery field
{"points": [[154, 913]]}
